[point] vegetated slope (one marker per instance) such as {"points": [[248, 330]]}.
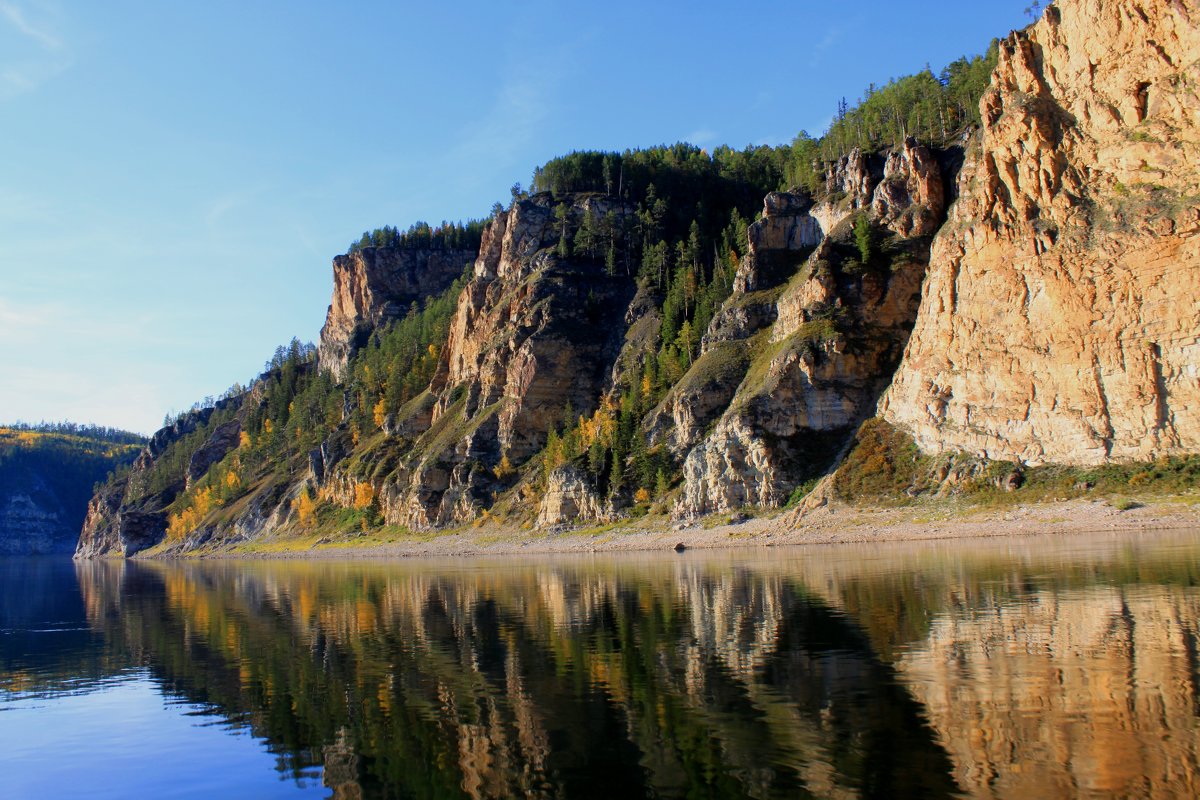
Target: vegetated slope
{"points": [[47, 474], [634, 336]]}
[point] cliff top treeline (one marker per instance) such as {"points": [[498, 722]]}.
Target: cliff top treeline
{"points": [[423, 236], [931, 109]]}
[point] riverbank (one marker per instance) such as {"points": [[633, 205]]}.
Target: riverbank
{"points": [[826, 525]]}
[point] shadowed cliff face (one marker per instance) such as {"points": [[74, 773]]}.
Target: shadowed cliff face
{"points": [[820, 313], [129, 514], [1059, 318], [46, 479]]}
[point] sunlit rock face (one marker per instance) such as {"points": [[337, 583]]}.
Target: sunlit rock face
{"points": [[376, 285], [1060, 314], [535, 331], [569, 497]]}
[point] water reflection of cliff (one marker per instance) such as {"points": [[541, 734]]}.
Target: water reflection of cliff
{"points": [[523, 681], [1097, 688], [832, 673], [1059, 669]]}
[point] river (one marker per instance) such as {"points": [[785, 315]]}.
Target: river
{"points": [[1017, 668]]}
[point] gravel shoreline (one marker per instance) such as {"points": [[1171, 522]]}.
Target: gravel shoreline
{"points": [[827, 525]]}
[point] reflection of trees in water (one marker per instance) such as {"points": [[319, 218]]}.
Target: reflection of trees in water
{"points": [[829, 674], [538, 682]]}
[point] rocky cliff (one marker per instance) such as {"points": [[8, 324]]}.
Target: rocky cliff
{"points": [[375, 285], [1059, 318], [534, 332], [821, 308], [129, 513], [637, 337]]}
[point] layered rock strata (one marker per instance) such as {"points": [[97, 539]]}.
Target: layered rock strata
{"points": [[32, 519], [536, 332]]}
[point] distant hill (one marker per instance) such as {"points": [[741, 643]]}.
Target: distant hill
{"points": [[47, 475]]}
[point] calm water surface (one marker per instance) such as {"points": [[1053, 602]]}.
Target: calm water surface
{"points": [[1028, 668]]}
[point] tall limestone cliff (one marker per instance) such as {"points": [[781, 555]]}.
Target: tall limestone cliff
{"points": [[1060, 319], [374, 285], [535, 332], [1025, 291]]}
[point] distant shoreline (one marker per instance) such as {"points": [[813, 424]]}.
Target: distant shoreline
{"points": [[830, 525]]}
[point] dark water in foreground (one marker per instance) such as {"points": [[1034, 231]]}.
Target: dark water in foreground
{"points": [[1029, 668]]}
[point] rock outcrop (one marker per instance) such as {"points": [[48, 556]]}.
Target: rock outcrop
{"points": [[535, 332], [374, 285], [222, 440], [1059, 321], [569, 497], [128, 514], [836, 330], [1029, 292]]}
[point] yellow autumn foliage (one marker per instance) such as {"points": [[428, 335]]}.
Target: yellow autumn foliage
{"points": [[305, 507], [364, 495], [504, 469], [602, 426], [243, 440], [379, 411], [185, 521], [641, 495]]}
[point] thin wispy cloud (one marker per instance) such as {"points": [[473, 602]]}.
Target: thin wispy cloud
{"points": [[45, 53], [517, 110], [17, 18], [230, 201], [817, 51], [701, 136]]}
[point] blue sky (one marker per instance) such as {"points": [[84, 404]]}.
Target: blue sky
{"points": [[177, 176]]}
